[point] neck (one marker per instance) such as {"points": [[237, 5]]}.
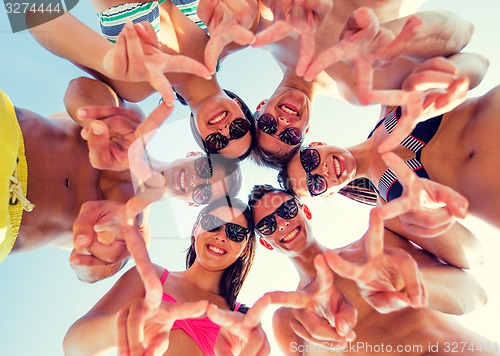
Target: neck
{"points": [[362, 153], [204, 279], [304, 262], [292, 81]]}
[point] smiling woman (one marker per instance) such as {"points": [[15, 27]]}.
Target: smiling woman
{"points": [[40, 85]]}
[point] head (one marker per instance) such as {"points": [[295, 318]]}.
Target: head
{"points": [[322, 170], [282, 121], [201, 178], [280, 219], [224, 124], [223, 239]]}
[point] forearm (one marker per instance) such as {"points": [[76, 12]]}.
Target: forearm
{"points": [[451, 290], [71, 39], [473, 66], [457, 246], [88, 92], [441, 33], [91, 335]]}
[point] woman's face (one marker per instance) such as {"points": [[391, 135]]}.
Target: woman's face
{"points": [[215, 250], [197, 179], [221, 123], [321, 170]]}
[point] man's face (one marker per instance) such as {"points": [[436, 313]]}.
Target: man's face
{"points": [[320, 170], [285, 228], [196, 179], [282, 121]]}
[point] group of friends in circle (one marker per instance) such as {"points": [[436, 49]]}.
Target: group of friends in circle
{"points": [[429, 160]]}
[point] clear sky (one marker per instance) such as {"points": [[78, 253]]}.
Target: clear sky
{"points": [[40, 297]]}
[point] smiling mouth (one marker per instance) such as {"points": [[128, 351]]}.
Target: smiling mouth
{"points": [[291, 235], [181, 181], [337, 166], [289, 110], [216, 250], [218, 118]]}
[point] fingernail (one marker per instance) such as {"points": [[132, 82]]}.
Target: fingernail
{"points": [[208, 77], [401, 303], [81, 113], [169, 104], [343, 327], [141, 25], [74, 259], [97, 129], [81, 240]]}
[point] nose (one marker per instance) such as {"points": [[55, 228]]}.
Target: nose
{"points": [[324, 169], [282, 223], [219, 237], [195, 180], [283, 121], [224, 130]]}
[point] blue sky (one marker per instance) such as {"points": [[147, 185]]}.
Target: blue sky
{"points": [[41, 297]]}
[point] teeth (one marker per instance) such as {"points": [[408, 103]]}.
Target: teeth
{"points": [[216, 250], [291, 235], [183, 180], [336, 165], [218, 118], [289, 110]]}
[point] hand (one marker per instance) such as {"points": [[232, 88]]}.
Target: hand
{"points": [[109, 133], [142, 330], [322, 314], [137, 57], [433, 88], [426, 208], [365, 46], [227, 21], [389, 278], [298, 18], [240, 334]]}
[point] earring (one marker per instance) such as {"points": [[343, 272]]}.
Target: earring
{"points": [[307, 212], [307, 130], [265, 244]]}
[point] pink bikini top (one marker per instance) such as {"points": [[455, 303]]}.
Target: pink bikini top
{"points": [[202, 330]]}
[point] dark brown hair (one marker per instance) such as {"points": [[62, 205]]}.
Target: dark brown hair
{"points": [[234, 275]]}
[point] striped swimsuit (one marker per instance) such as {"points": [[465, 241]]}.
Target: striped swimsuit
{"points": [[389, 187], [112, 20]]}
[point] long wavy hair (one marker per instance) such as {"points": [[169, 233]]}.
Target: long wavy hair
{"points": [[234, 275]]}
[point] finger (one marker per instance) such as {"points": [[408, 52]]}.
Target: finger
{"points": [[413, 281], [241, 35], [83, 259], [342, 267], [316, 327], [256, 339], [135, 53], [300, 331], [83, 227], [98, 143], [346, 318], [306, 52], [253, 316], [405, 175], [456, 203], [425, 231], [273, 33], [177, 311], [395, 208], [213, 49], [244, 11], [122, 333], [388, 98], [114, 252], [147, 33], [223, 318], [104, 112], [184, 64], [439, 64], [160, 83], [115, 63], [158, 344], [374, 237], [429, 80], [323, 274], [154, 120], [135, 328], [364, 77], [397, 46], [206, 9], [323, 61], [400, 132], [296, 299], [389, 302]]}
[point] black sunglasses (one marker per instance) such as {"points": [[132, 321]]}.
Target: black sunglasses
{"points": [[234, 232], [203, 169], [268, 124], [316, 183], [288, 210], [217, 141]]}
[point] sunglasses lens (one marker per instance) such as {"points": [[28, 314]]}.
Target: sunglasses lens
{"points": [[202, 194], [316, 184], [267, 124], [288, 210], [235, 232], [267, 225], [238, 128], [309, 158], [215, 142], [203, 167], [210, 223], [291, 136]]}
